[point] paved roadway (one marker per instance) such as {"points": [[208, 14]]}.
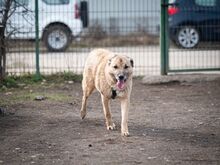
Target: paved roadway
{"points": [[146, 60]]}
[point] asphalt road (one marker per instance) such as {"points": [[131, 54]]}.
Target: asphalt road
{"points": [[146, 60]]}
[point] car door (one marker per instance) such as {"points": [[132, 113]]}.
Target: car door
{"points": [[209, 12], [1, 10], [21, 23], [217, 20]]}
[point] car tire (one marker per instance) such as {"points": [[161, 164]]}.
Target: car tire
{"points": [[187, 37], [57, 38]]}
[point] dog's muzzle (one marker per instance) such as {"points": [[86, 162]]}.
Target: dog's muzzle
{"points": [[121, 79]]}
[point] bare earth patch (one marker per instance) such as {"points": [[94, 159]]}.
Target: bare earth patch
{"points": [[170, 123]]}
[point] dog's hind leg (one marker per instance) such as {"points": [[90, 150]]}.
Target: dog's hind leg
{"points": [[105, 103], [88, 86]]}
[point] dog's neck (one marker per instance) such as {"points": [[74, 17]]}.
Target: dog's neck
{"points": [[117, 93], [109, 79], [114, 93]]}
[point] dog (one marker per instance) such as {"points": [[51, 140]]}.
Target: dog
{"points": [[111, 74]]}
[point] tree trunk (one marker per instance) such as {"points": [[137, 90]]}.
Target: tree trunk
{"points": [[2, 55], [3, 25]]}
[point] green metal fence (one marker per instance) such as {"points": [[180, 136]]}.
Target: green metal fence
{"points": [[68, 30], [194, 35]]}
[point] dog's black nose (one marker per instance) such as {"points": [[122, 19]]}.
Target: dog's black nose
{"points": [[121, 77]]}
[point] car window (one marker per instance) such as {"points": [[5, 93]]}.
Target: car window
{"points": [[22, 2], [19, 2], [56, 2], [1, 3], [172, 1], [206, 3]]}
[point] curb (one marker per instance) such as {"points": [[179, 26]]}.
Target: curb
{"points": [[192, 78]]}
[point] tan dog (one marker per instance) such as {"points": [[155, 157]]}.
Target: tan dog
{"points": [[111, 75]]}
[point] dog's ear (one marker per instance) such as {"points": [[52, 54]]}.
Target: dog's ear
{"points": [[110, 60], [132, 62]]}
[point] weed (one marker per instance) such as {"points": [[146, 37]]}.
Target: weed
{"points": [[9, 82], [61, 77]]}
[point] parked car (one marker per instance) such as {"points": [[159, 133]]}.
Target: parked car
{"points": [[59, 22], [192, 21]]}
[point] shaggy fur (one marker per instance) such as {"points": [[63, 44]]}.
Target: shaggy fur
{"points": [[109, 73]]}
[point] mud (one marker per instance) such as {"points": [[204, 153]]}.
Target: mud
{"points": [[174, 123]]}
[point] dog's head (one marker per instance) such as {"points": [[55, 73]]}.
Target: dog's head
{"points": [[120, 68]]}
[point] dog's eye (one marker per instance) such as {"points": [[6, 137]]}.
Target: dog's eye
{"points": [[116, 67]]}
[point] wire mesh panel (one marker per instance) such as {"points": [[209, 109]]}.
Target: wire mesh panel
{"points": [[195, 34], [19, 35], [70, 29], [130, 27]]}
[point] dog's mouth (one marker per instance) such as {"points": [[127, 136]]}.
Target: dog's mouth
{"points": [[120, 84], [121, 80]]}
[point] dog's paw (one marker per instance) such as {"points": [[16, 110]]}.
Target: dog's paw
{"points": [[83, 114], [111, 127], [125, 133]]}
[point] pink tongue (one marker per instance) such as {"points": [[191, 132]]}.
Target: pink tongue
{"points": [[120, 84]]}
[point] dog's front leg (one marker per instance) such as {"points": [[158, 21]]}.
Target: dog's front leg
{"points": [[124, 114], [105, 103]]}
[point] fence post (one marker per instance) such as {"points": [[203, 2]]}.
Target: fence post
{"points": [[37, 40], [164, 38]]}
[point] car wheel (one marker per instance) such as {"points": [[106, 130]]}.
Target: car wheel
{"points": [[57, 38], [187, 37]]}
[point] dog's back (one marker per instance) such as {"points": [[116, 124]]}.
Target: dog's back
{"points": [[96, 61], [97, 56]]}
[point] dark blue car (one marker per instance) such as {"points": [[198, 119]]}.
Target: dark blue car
{"points": [[192, 21]]}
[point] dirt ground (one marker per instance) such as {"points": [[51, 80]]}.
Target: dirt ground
{"points": [[174, 123]]}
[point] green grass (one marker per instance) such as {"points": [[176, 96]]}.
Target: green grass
{"points": [[21, 96], [62, 77], [19, 89], [48, 96], [14, 81], [30, 79]]}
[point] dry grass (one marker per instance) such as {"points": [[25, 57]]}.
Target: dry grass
{"points": [[126, 40], [92, 39]]}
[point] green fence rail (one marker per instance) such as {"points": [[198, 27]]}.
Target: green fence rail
{"points": [[164, 37], [37, 48]]}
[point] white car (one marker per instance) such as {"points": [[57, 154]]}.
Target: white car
{"points": [[59, 22]]}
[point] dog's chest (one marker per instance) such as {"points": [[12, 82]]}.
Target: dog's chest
{"points": [[117, 93], [120, 93]]}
